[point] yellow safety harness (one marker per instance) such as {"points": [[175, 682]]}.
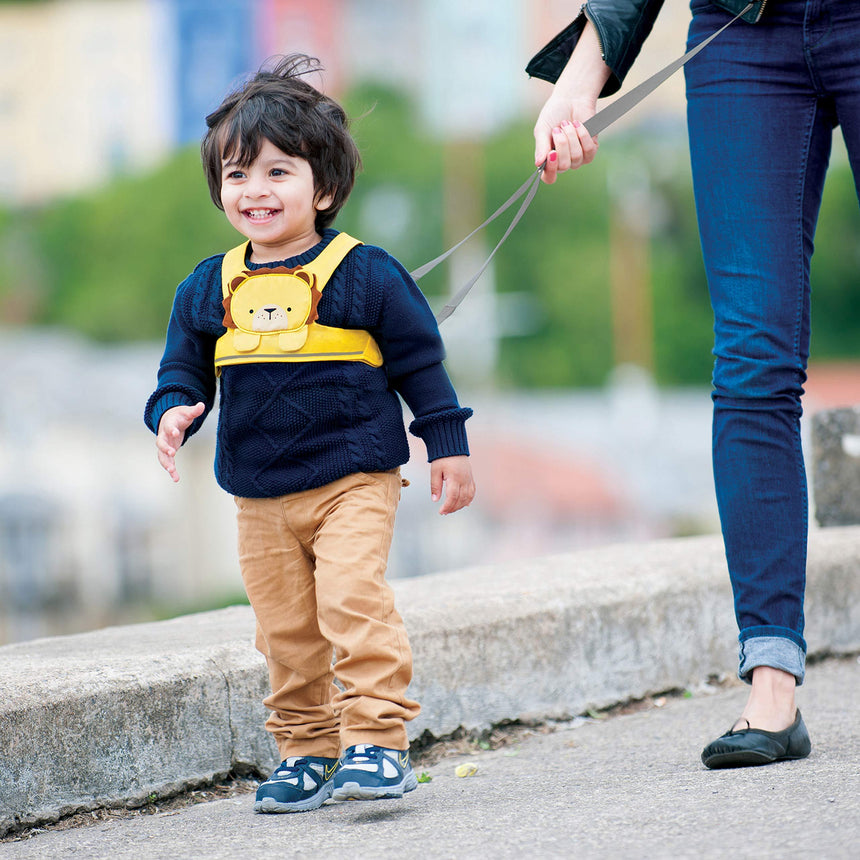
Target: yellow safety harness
{"points": [[271, 313]]}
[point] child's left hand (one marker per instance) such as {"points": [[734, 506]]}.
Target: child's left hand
{"points": [[456, 475]]}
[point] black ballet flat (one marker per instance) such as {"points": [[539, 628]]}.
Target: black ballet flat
{"points": [[748, 747]]}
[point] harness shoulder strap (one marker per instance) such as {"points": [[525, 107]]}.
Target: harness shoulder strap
{"points": [[331, 257], [322, 266], [232, 264]]}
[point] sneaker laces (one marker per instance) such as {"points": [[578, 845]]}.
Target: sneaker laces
{"points": [[293, 769], [294, 765], [363, 754]]}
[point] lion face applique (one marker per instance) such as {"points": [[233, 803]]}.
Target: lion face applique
{"points": [[271, 315], [277, 302]]}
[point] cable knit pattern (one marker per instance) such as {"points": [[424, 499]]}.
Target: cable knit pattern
{"points": [[286, 427]]}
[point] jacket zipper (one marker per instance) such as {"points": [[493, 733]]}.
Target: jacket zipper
{"points": [[584, 11]]}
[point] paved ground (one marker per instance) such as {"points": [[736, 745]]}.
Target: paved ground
{"points": [[630, 786]]}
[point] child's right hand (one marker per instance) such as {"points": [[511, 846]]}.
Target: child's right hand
{"points": [[454, 474], [171, 433]]}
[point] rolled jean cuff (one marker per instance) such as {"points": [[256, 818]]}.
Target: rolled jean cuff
{"points": [[771, 646]]}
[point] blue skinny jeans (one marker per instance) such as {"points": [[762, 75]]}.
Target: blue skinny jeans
{"points": [[762, 103]]}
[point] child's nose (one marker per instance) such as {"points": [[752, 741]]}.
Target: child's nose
{"points": [[257, 186]]}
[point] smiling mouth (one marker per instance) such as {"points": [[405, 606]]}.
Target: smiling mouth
{"points": [[259, 214]]}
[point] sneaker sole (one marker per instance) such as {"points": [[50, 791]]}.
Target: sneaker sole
{"points": [[270, 805], [355, 791]]}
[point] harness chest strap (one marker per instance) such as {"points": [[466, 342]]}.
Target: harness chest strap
{"points": [[271, 313]]}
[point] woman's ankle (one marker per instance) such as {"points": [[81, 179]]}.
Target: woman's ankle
{"points": [[771, 705]]}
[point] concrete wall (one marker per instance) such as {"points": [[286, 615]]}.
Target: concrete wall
{"points": [[114, 716]]}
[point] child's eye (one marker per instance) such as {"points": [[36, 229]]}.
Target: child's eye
{"points": [[278, 171], [235, 174]]}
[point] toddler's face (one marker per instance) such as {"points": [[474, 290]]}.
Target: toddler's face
{"points": [[272, 202]]}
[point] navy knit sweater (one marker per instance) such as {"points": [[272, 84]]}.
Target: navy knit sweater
{"points": [[285, 427]]}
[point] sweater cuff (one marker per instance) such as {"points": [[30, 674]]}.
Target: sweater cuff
{"points": [[444, 434], [155, 408]]}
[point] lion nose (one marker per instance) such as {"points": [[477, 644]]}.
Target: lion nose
{"points": [[270, 311]]}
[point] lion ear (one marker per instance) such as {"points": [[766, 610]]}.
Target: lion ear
{"points": [[316, 295], [228, 321]]}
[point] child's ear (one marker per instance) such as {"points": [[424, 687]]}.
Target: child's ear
{"points": [[323, 202]]}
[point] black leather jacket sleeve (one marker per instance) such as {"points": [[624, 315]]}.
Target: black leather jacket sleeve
{"points": [[622, 27]]}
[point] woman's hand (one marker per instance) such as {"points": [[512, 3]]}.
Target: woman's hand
{"points": [[561, 139]]}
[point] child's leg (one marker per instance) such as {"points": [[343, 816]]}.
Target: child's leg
{"points": [[356, 608], [279, 578]]}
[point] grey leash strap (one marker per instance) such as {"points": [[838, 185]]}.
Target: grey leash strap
{"points": [[422, 270], [600, 121], [530, 189], [604, 118]]}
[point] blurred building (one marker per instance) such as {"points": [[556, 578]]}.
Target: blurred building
{"points": [[90, 533], [93, 88], [91, 530], [81, 95]]}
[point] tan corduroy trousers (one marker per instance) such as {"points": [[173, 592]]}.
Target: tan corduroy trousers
{"points": [[313, 564]]}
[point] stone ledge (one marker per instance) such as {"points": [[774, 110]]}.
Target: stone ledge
{"points": [[117, 715], [836, 466]]}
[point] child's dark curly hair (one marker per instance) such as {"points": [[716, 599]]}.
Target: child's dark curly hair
{"points": [[278, 106]]}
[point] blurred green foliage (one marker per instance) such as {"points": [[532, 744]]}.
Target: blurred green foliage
{"points": [[835, 272], [107, 263], [110, 260]]}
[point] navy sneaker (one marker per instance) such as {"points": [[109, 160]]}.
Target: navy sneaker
{"points": [[298, 784], [368, 772]]}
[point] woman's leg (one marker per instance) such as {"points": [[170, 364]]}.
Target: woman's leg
{"points": [[760, 141]]}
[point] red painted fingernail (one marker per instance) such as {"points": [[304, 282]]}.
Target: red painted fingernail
{"points": [[553, 156]]}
